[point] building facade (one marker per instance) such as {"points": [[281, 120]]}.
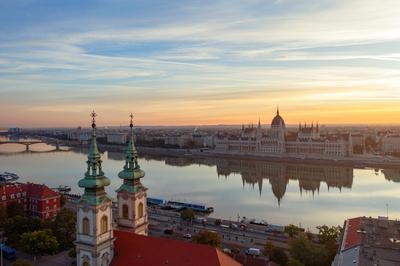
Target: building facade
{"points": [[38, 200], [132, 195], [94, 236], [307, 141]]}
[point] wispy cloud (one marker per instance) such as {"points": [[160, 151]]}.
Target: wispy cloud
{"points": [[232, 61]]}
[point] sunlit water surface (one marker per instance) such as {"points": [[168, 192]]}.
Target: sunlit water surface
{"points": [[308, 195]]}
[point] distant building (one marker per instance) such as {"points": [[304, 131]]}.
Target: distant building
{"points": [[307, 141], [14, 130], [369, 241], [38, 200], [117, 138], [390, 143]]}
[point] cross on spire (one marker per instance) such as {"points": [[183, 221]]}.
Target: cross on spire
{"points": [[131, 116], [93, 115]]}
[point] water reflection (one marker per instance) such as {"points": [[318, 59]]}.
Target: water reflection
{"points": [[256, 173]]}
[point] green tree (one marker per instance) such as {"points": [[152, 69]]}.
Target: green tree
{"points": [[308, 253], [39, 242], [187, 215], [3, 215], [63, 200], [16, 226], [293, 262], [292, 230], [15, 209], [207, 238], [64, 228], [328, 236], [268, 248], [279, 256], [21, 262]]}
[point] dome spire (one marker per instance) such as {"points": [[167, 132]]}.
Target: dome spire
{"points": [[131, 172], [277, 110], [94, 180]]}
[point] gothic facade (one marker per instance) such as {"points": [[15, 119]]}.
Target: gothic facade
{"points": [[306, 142]]}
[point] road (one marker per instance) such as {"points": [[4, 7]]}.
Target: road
{"points": [[252, 236]]}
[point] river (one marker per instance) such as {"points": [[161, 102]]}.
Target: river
{"points": [[280, 193]]}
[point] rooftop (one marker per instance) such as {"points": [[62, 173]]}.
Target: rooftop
{"points": [[132, 249]]}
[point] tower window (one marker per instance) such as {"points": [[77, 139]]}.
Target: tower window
{"points": [[140, 210], [85, 226], [104, 224], [125, 211]]}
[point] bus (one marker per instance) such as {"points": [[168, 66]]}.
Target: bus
{"points": [[8, 252]]}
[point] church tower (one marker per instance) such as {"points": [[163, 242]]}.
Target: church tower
{"points": [[132, 196], [94, 236]]}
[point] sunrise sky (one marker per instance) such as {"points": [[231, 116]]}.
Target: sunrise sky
{"points": [[199, 62]]}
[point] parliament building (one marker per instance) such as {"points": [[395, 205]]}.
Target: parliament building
{"points": [[306, 142]]}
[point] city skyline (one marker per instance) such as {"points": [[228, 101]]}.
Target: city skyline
{"points": [[196, 63]]}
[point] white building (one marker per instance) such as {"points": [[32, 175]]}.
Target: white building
{"points": [[307, 141], [117, 138], [390, 143]]}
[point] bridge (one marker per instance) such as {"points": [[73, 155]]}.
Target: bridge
{"points": [[28, 143]]}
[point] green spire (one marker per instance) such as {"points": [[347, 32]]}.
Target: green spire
{"points": [[94, 180], [131, 174]]}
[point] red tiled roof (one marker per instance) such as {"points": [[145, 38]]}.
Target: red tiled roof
{"points": [[353, 238], [39, 191], [132, 249]]}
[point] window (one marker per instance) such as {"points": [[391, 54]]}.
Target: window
{"points": [[125, 211], [85, 226], [104, 224], [140, 210]]}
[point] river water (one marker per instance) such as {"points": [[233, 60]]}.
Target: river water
{"points": [[280, 193]]}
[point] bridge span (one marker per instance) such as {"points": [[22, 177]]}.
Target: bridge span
{"points": [[28, 143]]}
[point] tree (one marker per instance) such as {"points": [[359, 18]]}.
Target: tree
{"points": [[292, 230], [18, 225], [21, 262], [293, 262], [217, 222], [303, 250], [64, 228], [3, 215], [15, 209], [268, 248], [207, 238], [187, 215], [328, 236], [279, 256], [39, 242], [63, 200]]}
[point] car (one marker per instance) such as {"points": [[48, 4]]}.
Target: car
{"points": [[227, 251], [234, 226], [187, 236], [253, 251], [168, 231]]}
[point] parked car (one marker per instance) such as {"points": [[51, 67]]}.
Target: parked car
{"points": [[227, 251], [168, 231], [187, 236], [253, 251]]}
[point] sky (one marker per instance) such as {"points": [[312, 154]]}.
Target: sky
{"points": [[199, 62]]}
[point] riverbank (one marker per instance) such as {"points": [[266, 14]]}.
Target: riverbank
{"points": [[357, 161]]}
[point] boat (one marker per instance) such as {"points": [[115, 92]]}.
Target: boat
{"points": [[7, 177], [194, 206], [178, 206], [61, 188]]}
